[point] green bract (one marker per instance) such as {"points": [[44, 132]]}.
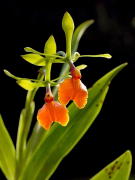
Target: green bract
{"points": [[38, 157]]}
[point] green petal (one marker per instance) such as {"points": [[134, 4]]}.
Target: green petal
{"points": [[7, 152], [119, 169], [28, 85], [34, 59], [59, 141], [50, 46], [79, 31]]}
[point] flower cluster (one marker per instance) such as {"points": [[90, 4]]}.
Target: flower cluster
{"points": [[71, 88]]}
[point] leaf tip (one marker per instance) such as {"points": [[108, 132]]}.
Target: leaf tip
{"points": [[92, 21]]}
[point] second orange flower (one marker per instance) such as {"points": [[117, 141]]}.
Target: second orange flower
{"points": [[73, 89]]}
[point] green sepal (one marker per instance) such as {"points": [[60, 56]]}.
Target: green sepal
{"points": [[18, 78], [29, 49], [7, 152], [108, 56], [79, 31], [11, 75], [81, 67], [28, 85], [119, 169], [68, 27], [34, 59], [50, 46]]}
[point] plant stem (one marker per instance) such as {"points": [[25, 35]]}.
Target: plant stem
{"points": [[48, 71], [24, 126]]}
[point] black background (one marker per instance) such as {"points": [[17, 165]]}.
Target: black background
{"points": [[28, 23]]}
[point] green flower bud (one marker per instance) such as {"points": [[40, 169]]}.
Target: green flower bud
{"points": [[68, 27]]}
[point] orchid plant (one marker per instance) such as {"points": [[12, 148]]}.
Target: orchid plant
{"points": [[59, 128]]}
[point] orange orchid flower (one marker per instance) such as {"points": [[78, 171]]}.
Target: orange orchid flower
{"points": [[73, 89], [52, 111]]}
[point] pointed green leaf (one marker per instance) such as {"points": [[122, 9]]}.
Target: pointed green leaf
{"points": [[79, 31], [119, 169], [28, 85], [50, 46], [59, 141], [68, 27], [7, 152], [34, 59]]}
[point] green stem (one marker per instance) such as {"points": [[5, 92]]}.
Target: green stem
{"points": [[48, 71], [68, 46], [24, 126]]}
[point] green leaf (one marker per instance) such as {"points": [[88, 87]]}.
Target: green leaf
{"points": [[28, 85], [34, 59], [59, 141], [79, 31], [7, 152], [119, 169], [68, 27], [50, 46]]}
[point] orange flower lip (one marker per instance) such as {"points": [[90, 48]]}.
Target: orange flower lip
{"points": [[52, 111], [73, 89]]}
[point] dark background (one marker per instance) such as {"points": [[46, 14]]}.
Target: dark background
{"points": [[29, 23]]}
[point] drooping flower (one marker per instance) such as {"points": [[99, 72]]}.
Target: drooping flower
{"points": [[73, 89], [52, 111]]}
